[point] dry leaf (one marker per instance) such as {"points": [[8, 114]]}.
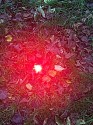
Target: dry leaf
{"points": [[58, 68], [52, 73], [68, 81], [29, 86], [9, 38]]}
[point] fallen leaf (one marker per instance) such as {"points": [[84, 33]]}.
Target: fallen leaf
{"points": [[58, 68], [9, 38], [58, 56], [68, 81], [29, 86], [52, 73]]}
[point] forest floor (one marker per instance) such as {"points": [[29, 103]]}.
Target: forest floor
{"points": [[46, 64]]}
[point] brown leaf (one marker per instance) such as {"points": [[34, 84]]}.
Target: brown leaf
{"points": [[9, 38], [52, 73]]}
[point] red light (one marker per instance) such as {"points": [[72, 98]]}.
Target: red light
{"points": [[38, 68]]}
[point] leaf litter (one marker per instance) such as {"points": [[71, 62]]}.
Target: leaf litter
{"points": [[18, 54]]}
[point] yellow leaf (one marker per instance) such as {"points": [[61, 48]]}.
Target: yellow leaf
{"points": [[9, 38], [68, 81], [29, 86], [52, 73]]}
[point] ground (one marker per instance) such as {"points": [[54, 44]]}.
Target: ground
{"points": [[46, 62]]}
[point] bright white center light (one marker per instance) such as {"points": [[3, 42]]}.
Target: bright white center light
{"points": [[38, 68]]}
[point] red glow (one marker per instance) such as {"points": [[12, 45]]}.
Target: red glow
{"points": [[38, 68]]}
